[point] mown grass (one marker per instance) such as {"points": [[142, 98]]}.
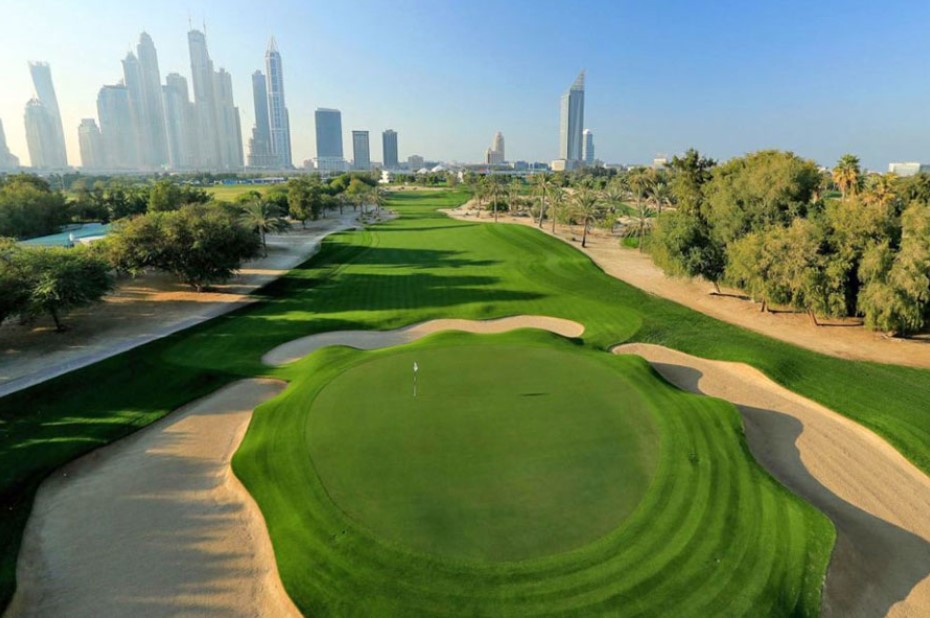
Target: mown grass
{"points": [[714, 535], [229, 193], [420, 266]]}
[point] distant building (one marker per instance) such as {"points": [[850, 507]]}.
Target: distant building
{"points": [[278, 118], [495, 154], [361, 153], [588, 151], [180, 123], [8, 161], [329, 154], [41, 136], [116, 127], [54, 154], [216, 116], [571, 123], [415, 162], [389, 150], [151, 117], [660, 162], [910, 168], [91, 145], [260, 155]]}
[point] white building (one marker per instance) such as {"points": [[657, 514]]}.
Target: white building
{"points": [[909, 168], [495, 154]]}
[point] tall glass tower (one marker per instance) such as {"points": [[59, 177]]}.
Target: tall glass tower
{"points": [[571, 144], [278, 119], [389, 149], [54, 153]]}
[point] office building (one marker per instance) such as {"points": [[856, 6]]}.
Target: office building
{"points": [[8, 161], [278, 118], [216, 116], [228, 124], [415, 162], [132, 79], [116, 127], [571, 124], [260, 155], [91, 144], [361, 154], [180, 126], [389, 150], [152, 119], [495, 154], [329, 154], [588, 150], [54, 155], [910, 168], [41, 137]]}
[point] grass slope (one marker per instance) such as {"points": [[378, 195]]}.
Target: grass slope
{"points": [[421, 266], [713, 536]]}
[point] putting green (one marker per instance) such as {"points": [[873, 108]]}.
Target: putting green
{"points": [[508, 452]]}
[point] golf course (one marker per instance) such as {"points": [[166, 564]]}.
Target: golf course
{"points": [[404, 467]]}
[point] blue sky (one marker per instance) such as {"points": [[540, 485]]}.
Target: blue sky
{"points": [[821, 78]]}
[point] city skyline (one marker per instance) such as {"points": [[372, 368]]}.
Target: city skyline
{"points": [[780, 91]]}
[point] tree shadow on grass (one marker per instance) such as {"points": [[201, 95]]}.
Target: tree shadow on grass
{"points": [[875, 564]]}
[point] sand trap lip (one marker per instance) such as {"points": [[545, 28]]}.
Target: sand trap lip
{"points": [[878, 500], [155, 524], [373, 339]]}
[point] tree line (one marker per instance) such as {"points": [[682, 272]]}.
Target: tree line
{"points": [[164, 226]]}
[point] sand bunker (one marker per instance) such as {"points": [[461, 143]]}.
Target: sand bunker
{"points": [[878, 500], [372, 339], [155, 524]]}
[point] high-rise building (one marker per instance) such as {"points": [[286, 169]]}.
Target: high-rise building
{"points": [[8, 161], [278, 118], [132, 78], [260, 155], [204, 101], [329, 139], [572, 123], [588, 150], [180, 126], [116, 127], [495, 154], [415, 162], [389, 149], [91, 144], [361, 153], [54, 154], [41, 136], [228, 124], [152, 115]]}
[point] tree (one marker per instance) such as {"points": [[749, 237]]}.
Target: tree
{"points": [[557, 202], [64, 279], [304, 198], [163, 196], [359, 191], [513, 194], [14, 281], [29, 208], [682, 246], [848, 175], [586, 206], [264, 218], [494, 191], [542, 187]]}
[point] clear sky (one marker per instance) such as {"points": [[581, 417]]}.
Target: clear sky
{"points": [[820, 77]]}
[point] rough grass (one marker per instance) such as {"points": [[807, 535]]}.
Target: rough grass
{"points": [[421, 266]]}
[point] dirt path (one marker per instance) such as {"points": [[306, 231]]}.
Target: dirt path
{"points": [[878, 500], [145, 309], [844, 340], [155, 525], [372, 339]]}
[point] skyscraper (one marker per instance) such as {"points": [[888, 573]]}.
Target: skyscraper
{"points": [[8, 160], [588, 153], [389, 149], [54, 154], [361, 153], [41, 135], [116, 127], [204, 101], [572, 122], [141, 139], [180, 128], [260, 155], [278, 119], [229, 128], [495, 154], [329, 139], [152, 120], [91, 143]]}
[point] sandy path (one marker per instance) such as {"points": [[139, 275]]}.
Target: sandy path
{"points": [[845, 339], [155, 525], [878, 500], [144, 309], [372, 339]]}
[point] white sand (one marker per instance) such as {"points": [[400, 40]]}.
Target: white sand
{"points": [[155, 524], [371, 339], [878, 500]]}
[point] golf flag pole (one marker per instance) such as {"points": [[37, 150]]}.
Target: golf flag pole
{"points": [[416, 368]]}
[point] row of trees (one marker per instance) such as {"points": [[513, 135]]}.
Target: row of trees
{"points": [[765, 224]]}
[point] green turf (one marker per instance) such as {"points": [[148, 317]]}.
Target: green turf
{"points": [[713, 535], [504, 454], [229, 193], [420, 266]]}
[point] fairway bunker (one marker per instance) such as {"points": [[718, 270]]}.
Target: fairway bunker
{"points": [[472, 468]]}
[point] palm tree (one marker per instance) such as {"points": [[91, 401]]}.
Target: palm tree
{"points": [[557, 205], [586, 205], [494, 191], [378, 197], [660, 192], [265, 218], [513, 194], [613, 196], [543, 188], [881, 190], [848, 175]]}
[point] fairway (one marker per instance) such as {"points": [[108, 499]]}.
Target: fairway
{"points": [[505, 453]]}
